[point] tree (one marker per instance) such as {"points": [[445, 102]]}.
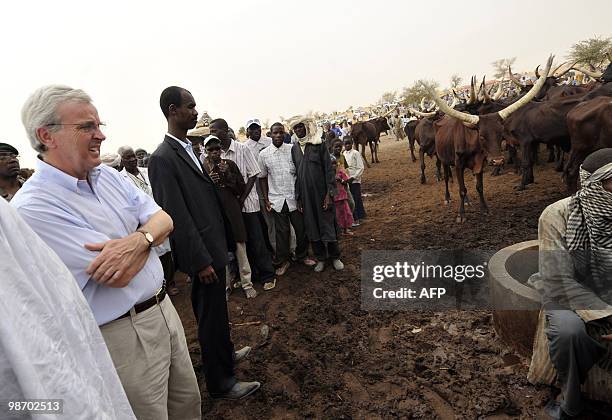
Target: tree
{"points": [[501, 66], [411, 96], [455, 81], [242, 131], [388, 97], [591, 51]]}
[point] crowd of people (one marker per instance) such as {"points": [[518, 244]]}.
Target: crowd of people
{"points": [[230, 215], [195, 204]]}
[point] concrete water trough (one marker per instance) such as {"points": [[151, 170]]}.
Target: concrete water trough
{"points": [[516, 305]]}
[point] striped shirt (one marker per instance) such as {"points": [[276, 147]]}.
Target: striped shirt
{"points": [[258, 146], [242, 156], [277, 165]]}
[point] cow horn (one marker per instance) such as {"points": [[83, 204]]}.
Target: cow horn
{"points": [[421, 114], [478, 90], [514, 79], [422, 104], [389, 112], [468, 118], [537, 73], [472, 99], [455, 95], [505, 113], [554, 73], [500, 91], [454, 103], [485, 94], [593, 74]]}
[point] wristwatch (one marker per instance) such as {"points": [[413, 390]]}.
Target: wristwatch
{"points": [[147, 236]]}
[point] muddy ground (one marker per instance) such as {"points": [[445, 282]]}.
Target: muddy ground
{"points": [[325, 357]]}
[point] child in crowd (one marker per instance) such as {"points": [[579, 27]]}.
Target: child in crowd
{"points": [[355, 170], [344, 218]]}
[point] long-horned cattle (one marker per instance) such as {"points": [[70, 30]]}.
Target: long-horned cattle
{"points": [[467, 141]]}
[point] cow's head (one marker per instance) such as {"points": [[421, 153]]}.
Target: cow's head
{"points": [[491, 126], [382, 124], [490, 135]]}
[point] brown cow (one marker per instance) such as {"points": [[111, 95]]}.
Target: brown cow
{"points": [[409, 130], [590, 127], [425, 136], [368, 132], [466, 141]]}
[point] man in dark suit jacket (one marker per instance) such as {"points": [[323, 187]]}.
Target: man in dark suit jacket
{"points": [[199, 241]]}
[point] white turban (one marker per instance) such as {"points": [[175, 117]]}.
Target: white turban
{"points": [[111, 159]]}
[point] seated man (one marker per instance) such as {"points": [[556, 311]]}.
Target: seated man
{"points": [[103, 228], [575, 262]]}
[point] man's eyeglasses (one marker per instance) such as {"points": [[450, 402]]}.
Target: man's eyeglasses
{"points": [[7, 156], [86, 127]]}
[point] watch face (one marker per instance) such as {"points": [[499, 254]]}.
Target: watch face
{"points": [[149, 237]]}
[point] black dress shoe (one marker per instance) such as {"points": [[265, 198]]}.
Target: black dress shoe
{"points": [[238, 391]]}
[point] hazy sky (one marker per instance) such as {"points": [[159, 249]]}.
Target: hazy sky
{"points": [[267, 58]]}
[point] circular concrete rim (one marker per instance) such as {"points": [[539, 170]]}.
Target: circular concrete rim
{"points": [[497, 269]]}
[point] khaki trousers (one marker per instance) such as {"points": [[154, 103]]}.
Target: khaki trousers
{"points": [[150, 354]]}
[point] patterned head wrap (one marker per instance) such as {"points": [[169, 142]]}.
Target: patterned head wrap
{"points": [[589, 226]]}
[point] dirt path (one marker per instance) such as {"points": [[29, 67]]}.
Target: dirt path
{"points": [[327, 358]]}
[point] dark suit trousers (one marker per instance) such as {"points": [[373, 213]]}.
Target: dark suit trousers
{"points": [[260, 258], [168, 266], [210, 309], [325, 250]]}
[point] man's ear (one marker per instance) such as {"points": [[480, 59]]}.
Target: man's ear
{"points": [[172, 109], [45, 136]]}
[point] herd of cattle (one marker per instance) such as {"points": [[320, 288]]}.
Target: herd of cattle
{"points": [[471, 132]]}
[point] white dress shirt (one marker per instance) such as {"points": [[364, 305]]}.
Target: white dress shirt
{"points": [[142, 182], [276, 164], [68, 213], [189, 149]]}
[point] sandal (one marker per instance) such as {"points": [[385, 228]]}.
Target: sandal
{"points": [[250, 292], [269, 285]]}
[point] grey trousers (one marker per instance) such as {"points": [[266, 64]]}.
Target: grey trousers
{"points": [[572, 352]]}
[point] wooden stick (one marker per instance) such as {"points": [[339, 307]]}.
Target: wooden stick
{"points": [[245, 324]]}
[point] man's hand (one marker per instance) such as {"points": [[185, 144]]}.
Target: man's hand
{"points": [[119, 260], [223, 166], [300, 208], [208, 275], [268, 205], [326, 201], [350, 180], [215, 177]]}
